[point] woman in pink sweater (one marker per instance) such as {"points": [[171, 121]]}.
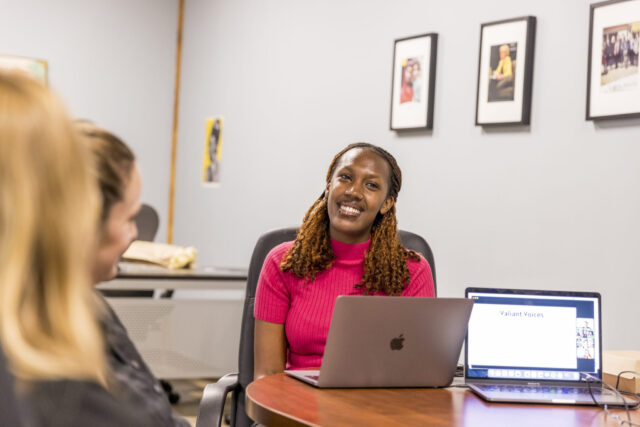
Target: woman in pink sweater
{"points": [[347, 245]]}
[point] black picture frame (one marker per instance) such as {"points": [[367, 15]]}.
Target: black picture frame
{"points": [[613, 91], [34, 67], [414, 110], [504, 98]]}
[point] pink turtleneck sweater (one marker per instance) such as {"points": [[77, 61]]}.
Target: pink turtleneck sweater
{"points": [[306, 308]]}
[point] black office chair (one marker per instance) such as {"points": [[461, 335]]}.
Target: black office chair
{"points": [[9, 415], [215, 394], [147, 222]]}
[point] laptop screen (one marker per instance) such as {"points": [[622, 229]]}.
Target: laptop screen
{"points": [[533, 335]]}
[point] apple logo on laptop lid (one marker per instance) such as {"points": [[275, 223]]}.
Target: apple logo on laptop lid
{"points": [[397, 342]]}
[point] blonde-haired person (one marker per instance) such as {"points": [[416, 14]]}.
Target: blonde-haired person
{"points": [[49, 209], [504, 68], [119, 183]]}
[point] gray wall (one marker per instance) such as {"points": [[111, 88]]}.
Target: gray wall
{"points": [[554, 205], [112, 62]]}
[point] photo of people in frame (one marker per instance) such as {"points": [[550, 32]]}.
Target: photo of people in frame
{"points": [[502, 69], [36, 68], [411, 82], [213, 151], [585, 339], [620, 45]]}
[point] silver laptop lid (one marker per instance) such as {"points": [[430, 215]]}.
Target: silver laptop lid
{"points": [[382, 341], [533, 335]]}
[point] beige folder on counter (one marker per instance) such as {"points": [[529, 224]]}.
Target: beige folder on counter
{"points": [[169, 256]]}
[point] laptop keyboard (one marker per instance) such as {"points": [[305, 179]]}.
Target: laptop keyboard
{"points": [[582, 391], [557, 394]]}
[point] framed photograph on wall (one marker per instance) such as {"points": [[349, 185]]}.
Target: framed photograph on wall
{"points": [[613, 81], [505, 72], [413, 82], [36, 68]]}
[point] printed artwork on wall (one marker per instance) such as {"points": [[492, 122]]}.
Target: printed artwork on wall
{"points": [[212, 157], [36, 68], [505, 72], [613, 80], [413, 82]]}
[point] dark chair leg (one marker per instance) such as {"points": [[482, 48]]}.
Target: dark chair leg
{"points": [[168, 389]]}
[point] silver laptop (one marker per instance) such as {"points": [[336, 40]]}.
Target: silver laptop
{"points": [[536, 346], [381, 341]]}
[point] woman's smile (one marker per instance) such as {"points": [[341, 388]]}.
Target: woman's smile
{"points": [[349, 210]]}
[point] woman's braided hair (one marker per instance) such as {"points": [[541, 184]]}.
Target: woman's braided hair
{"points": [[385, 263]]}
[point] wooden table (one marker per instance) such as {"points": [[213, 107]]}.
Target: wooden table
{"points": [[284, 401]]}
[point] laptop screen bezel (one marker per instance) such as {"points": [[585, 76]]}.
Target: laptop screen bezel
{"points": [[534, 292]]}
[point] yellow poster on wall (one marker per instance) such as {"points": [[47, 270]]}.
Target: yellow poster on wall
{"points": [[212, 157]]}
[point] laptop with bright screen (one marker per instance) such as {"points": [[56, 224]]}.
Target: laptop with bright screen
{"points": [[535, 346]]}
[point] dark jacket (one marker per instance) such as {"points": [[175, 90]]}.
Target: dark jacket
{"points": [[136, 398], [61, 403], [133, 380], [8, 405], [67, 403]]}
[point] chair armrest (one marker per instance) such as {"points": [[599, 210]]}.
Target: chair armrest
{"points": [[213, 398]]}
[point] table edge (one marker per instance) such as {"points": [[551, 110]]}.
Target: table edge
{"points": [[268, 416]]}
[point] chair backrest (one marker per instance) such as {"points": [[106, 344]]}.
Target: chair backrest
{"points": [[8, 403], [265, 243], [147, 222], [416, 243]]}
